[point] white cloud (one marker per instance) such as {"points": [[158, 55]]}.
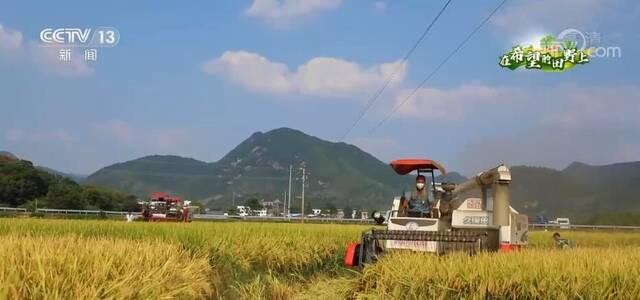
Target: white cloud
{"points": [[10, 39], [384, 148], [320, 76], [521, 17], [117, 129], [577, 106], [379, 5], [595, 124], [47, 58], [451, 104], [147, 140], [550, 126], [19, 136], [283, 11], [251, 70]]}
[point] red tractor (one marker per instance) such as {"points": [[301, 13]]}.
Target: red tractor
{"points": [[162, 207]]}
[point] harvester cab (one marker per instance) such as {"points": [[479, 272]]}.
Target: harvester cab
{"points": [[472, 216]]}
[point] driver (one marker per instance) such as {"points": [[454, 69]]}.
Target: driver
{"points": [[419, 202]]}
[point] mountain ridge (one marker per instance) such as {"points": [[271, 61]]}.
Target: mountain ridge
{"points": [[346, 176], [259, 166]]}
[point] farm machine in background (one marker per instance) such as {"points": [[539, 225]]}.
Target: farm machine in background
{"points": [[473, 216], [162, 207]]}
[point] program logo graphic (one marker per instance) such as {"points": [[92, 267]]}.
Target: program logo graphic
{"points": [[553, 54]]}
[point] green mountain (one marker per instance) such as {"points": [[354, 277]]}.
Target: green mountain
{"points": [[579, 191], [173, 174], [346, 176], [259, 167], [8, 154], [75, 177]]}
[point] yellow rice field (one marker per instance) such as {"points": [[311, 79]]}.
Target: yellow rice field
{"points": [[65, 259]]}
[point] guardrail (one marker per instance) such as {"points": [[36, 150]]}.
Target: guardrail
{"points": [[283, 219], [294, 219], [82, 212], [595, 227], [16, 209], [194, 216]]}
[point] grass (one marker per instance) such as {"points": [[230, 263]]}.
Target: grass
{"points": [[63, 259]]}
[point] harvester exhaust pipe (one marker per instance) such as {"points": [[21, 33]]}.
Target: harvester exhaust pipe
{"points": [[501, 204], [501, 196]]}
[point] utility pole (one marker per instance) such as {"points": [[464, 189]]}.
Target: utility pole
{"points": [[233, 200], [284, 203], [303, 180], [289, 200]]}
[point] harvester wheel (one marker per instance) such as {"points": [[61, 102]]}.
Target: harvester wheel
{"points": [[370, 249]]}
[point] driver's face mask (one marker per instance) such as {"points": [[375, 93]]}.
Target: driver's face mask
{"points": [[420, 185]]}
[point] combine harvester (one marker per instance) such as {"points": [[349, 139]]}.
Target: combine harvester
{"points": [[472, 216], [161, 207]]}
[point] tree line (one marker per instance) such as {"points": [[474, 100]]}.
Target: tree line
{"points": [[23, 185]]}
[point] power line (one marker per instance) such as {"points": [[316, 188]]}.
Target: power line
{"points": [[377, 94], [395, 109]]}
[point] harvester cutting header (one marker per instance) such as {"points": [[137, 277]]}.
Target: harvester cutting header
{"points": [[163, 207], [442, 217]]}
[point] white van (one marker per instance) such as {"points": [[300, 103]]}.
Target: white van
{"points": [[563, 223]]}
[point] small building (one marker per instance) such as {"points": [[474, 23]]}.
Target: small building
{"points": [[243, 211]]}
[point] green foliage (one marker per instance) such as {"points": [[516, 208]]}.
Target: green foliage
{"points": [[21, 184], [579, 191], [200, 207], [66, 195], [37, 214], [330, 208], [620, 219], [254, 203]]}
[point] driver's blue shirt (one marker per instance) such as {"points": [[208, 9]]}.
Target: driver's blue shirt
{"points": [[419, 202]]}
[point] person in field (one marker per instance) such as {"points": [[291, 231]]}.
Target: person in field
{"points": [[418, 205], [561, 243]]}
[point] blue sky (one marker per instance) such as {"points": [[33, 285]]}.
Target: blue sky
{"points": [[196, 78]]}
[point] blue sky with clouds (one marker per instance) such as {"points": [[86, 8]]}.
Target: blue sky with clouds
{"points": [[196, 78]]}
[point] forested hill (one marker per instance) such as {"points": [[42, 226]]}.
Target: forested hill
{"points": [[579, 191], [21, 184], [340, 173], [346, 176]]}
